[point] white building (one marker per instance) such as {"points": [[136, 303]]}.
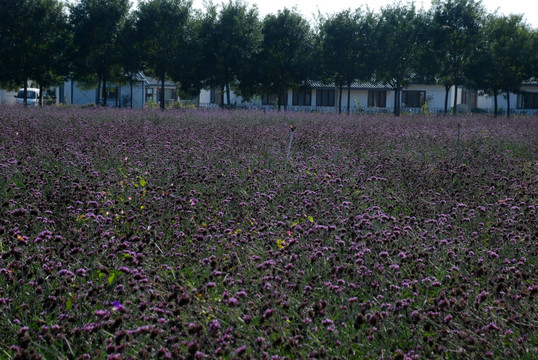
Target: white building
{"points": [[524, 102], [7, 97], [145, 90], [364, 97]]}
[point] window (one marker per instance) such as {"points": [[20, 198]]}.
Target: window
{"points": [[273, 100], [325, 97], [111, 92], [30, 94], [149, 94], [467, 95], [377, 98], [464, 95], [302, 97], [170, 95], [413, 98], [527, 100]]}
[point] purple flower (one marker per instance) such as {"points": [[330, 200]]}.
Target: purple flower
{"points": [[102, 313], [268, 313], [214, 326], [117, 305], [241, 294], [240, 350], [233, 302]]}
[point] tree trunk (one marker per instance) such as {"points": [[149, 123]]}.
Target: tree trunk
{"points": [[222, 96], [98, 90], [348, 97], [340, 99], [105, 93], [131, 84], [495, 108], [25, 101], [228, 100], [40, 95], [117, 96], [397, 102], [455, 99], [447, 89], [395, 111], [508, 104], [162, 92], [284, 98]]}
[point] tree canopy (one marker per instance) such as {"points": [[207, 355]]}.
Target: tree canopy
{"points": [[96, 26], [457, 34], [286, 54], [229, 47], [163, 30], [347, 54], [398, 37], [231, 41], [33, 42]]}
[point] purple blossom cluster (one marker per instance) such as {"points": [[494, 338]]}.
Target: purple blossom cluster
{"points": [[189, 235]]}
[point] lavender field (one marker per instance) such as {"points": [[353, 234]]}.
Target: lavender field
{"points": [[187, 235]]}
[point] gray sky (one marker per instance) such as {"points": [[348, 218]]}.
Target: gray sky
{"points": [[308, 8]]}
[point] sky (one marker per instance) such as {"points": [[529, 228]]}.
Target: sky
{"points": [[309, 8]]}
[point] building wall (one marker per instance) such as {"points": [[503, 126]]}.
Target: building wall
{"points": [[7, 97], [435, 94], [205, 99], [487, 102], [74, 95]]}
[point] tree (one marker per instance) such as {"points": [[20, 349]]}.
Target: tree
{"points": [[232, 39], [33, 38], [163, 28], [346, 54], [130, 52], [285, 58], [17, 39], [457, 28], [511, 43], [52, 62], [400, 31], [504, 58], [96, 28], [534, 57]]}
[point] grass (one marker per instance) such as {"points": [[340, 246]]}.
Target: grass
{"points": [[184, 234]]}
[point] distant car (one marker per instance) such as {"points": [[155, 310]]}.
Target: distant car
{"points": [[32, 97]]}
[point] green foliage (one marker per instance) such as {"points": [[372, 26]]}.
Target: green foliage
{"points": [[96, 26], [230, 40], [286, 55], [455, 33], [163, 30], [509, 46], [98, 41], [345, 46], [130, 53], [399, 33], [33, 42]]}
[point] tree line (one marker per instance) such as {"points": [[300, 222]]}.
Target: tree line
{"points": [[228, 46]]}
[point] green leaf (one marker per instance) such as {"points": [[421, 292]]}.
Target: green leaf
{"points": [[111, 278], [142, 181]]}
